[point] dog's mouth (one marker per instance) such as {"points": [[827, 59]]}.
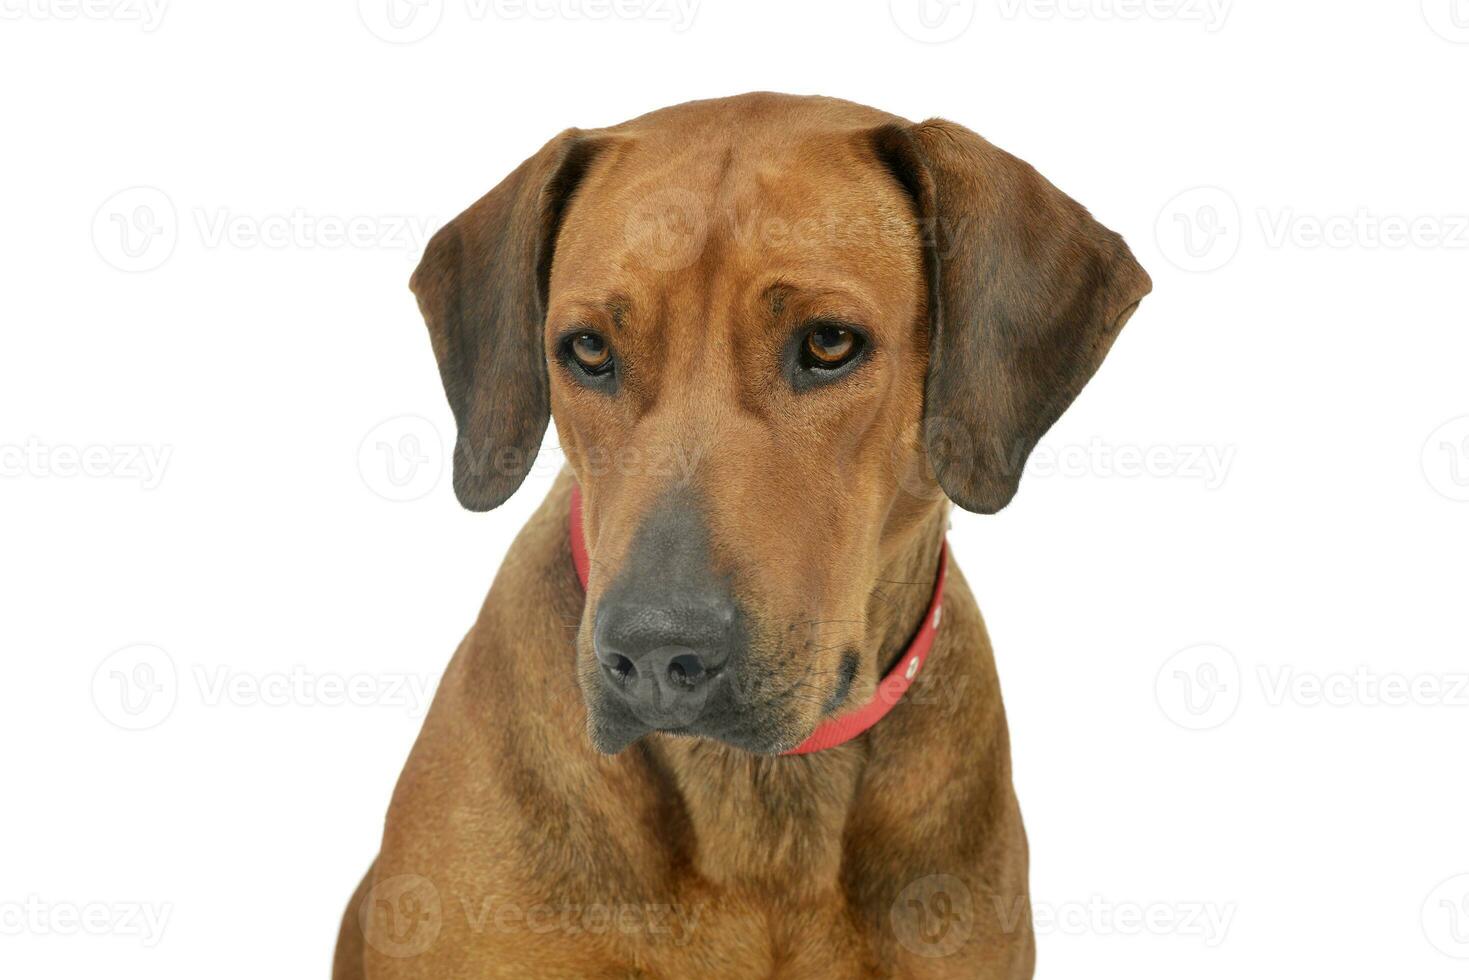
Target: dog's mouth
{"points": [[747, 717], [613, 739]]}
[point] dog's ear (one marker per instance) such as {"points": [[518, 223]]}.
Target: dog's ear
{"points": [[482, 287], [1026, 294]]}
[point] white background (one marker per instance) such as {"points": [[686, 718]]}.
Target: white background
{"points": [[1263, 495]]}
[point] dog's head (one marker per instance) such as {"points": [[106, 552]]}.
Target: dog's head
{"points": [[775, 333]]}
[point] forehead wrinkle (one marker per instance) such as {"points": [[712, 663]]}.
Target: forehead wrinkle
{"points": [[617, 311], [774, 296]]}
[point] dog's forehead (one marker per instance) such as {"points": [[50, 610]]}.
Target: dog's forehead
{"points": [[747, 197]]}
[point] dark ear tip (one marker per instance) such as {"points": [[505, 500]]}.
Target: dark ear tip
{"points": [[470, 501], [980, 494], [480, 492], [986, 507]]}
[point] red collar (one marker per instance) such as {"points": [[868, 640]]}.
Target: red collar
{"points": [[890, 690]]}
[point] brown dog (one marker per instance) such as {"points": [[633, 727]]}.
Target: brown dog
{"points": [[775, 334]]}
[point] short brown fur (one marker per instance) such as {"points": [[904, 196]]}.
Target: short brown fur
{"points": [[512, 847]]}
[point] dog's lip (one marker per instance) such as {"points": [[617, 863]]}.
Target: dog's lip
{"points": [[612, 739], [612, 735]]}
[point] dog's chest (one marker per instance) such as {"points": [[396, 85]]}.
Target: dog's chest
{"points": [[751, 936], [751, 939]]}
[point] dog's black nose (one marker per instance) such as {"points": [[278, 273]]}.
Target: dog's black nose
{"points": [[662, 658]]}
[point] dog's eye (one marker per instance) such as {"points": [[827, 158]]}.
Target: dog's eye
{"points": [[830, 345], [591, 352]]}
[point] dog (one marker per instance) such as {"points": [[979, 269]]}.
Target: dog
{"points": [[729, 709]]}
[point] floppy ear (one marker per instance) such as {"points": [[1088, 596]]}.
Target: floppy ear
{"points": [[1026, 294], [482, 288]]}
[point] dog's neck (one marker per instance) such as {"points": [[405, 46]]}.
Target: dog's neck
{"points": [[780, 822]]}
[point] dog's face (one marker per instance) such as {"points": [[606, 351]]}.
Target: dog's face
{"points": [[769, 330], [736, 346]]}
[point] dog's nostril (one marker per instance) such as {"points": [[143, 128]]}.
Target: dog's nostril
{"points": [[621, 668], [686, 670], [665, 654]]}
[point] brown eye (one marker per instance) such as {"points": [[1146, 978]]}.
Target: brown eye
{"points": [[591, 352], [831, 345]]}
